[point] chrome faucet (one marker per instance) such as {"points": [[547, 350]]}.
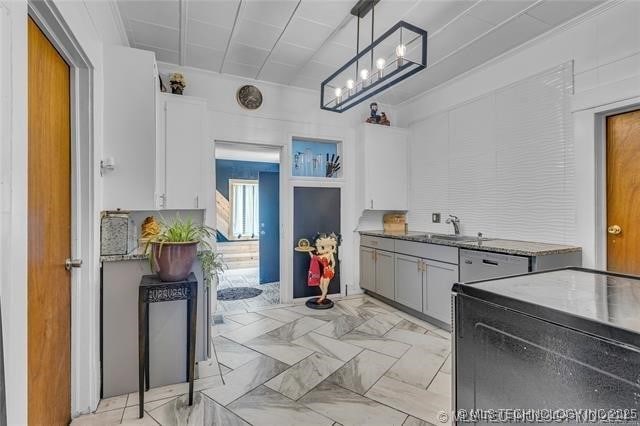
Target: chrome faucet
{"points": [[455, 221]]}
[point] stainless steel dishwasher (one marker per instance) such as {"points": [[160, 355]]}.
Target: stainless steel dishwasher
{"points": [[480, 265]]}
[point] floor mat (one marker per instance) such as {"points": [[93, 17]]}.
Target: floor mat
{"points": [[237, 293]]}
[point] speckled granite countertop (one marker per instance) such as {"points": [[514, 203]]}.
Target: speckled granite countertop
{"points": [[136, 255], [514, 247]]}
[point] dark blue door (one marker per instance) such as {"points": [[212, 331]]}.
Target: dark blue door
{"points": [[269, 212]]}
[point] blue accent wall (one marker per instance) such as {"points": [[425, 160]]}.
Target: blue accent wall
{"points": [[231, 169]]}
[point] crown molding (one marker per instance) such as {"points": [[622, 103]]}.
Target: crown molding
{"points": [[117, 19]]}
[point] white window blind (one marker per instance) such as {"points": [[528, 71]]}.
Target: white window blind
{"points": [[244, 209]]}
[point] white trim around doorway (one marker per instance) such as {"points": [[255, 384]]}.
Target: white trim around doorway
{"points": [[600, 116], [85, 281], [211, 216]]}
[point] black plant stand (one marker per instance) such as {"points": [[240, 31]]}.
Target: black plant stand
{"points": [[152, 290]]}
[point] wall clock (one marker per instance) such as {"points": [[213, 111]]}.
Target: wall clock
{"points": [[249, 97]]}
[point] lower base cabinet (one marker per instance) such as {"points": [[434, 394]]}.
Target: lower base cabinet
{"points": [[377, 271], [368, 268], [439, 277], [415, 281], [410, 281], [385, 274]]}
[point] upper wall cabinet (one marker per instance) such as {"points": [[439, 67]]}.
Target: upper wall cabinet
{"points": [[181, 150], [383, 167], [130, 90]]}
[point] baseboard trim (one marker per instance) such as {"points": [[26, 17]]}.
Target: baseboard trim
{"points": [[410, 311]]}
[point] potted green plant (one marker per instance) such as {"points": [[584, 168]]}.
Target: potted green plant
{"points": [[174, 249], [212, 265]]}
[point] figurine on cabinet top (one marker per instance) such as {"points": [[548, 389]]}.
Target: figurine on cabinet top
{"points": [[373, 117]]}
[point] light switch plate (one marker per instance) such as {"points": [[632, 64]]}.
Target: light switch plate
{"points": [[435, 217]]}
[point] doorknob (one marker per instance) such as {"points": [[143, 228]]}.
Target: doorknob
{"points": [[72, 263], [614, 230]]}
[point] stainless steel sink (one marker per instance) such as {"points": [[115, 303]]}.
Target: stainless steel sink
{"points": [[450, 237]]}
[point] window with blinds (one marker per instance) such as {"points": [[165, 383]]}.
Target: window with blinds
{"points": [[244, 208]]}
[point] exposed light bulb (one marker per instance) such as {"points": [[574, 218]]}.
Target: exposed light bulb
{"points": [[338, 93], [401, 50], [380, 64], [350, 84], [364, 75]]}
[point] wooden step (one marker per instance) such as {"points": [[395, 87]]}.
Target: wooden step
{"points": [[240, 254], [239, 247], [242, 264], [230, 257]]}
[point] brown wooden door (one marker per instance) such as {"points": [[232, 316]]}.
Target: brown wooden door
{"points": [[623, 193], [49, 223]]}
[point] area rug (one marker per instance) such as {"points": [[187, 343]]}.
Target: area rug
{"points": [[237, 293]]}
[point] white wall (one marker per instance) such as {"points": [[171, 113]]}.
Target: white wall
{"points": [[13, 263], [502, 162], [90, 23], [286, 112], [604, 46]]}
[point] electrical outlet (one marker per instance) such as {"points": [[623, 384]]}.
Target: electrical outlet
{"points": [[435, 217]]}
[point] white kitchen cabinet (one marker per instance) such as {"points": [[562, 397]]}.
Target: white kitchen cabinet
{"points": [[182, 152], [409, 281], [129, 116], [385, 274], [438, 279], [367, 268], [383, 160]]}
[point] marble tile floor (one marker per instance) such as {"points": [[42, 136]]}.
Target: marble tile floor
{"points": [[361, 363], [247, 277]]}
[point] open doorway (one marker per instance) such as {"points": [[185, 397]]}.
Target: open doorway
{"points": [[248, 225]]}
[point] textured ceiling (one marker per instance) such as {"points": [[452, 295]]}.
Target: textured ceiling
{"points": [[302, 42]]}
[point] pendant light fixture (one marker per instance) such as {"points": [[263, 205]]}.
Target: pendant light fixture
{"points": [[394, 56]]}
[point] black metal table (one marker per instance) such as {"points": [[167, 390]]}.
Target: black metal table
{"points": [[152, 290]]}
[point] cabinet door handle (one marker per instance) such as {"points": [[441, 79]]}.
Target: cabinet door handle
{"points": [[371, 203], [197, 200]]}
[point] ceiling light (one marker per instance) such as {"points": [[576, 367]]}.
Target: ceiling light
{"points": [[401, 51], [409, 57]]}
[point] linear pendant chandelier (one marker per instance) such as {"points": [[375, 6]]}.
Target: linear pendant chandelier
{"points": [[394, 56]]}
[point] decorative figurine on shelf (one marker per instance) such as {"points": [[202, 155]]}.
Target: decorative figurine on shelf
{"points": [[178, 83], [322, 267], [333, 165], [163, 88], [374, 118], [384, 120]]}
